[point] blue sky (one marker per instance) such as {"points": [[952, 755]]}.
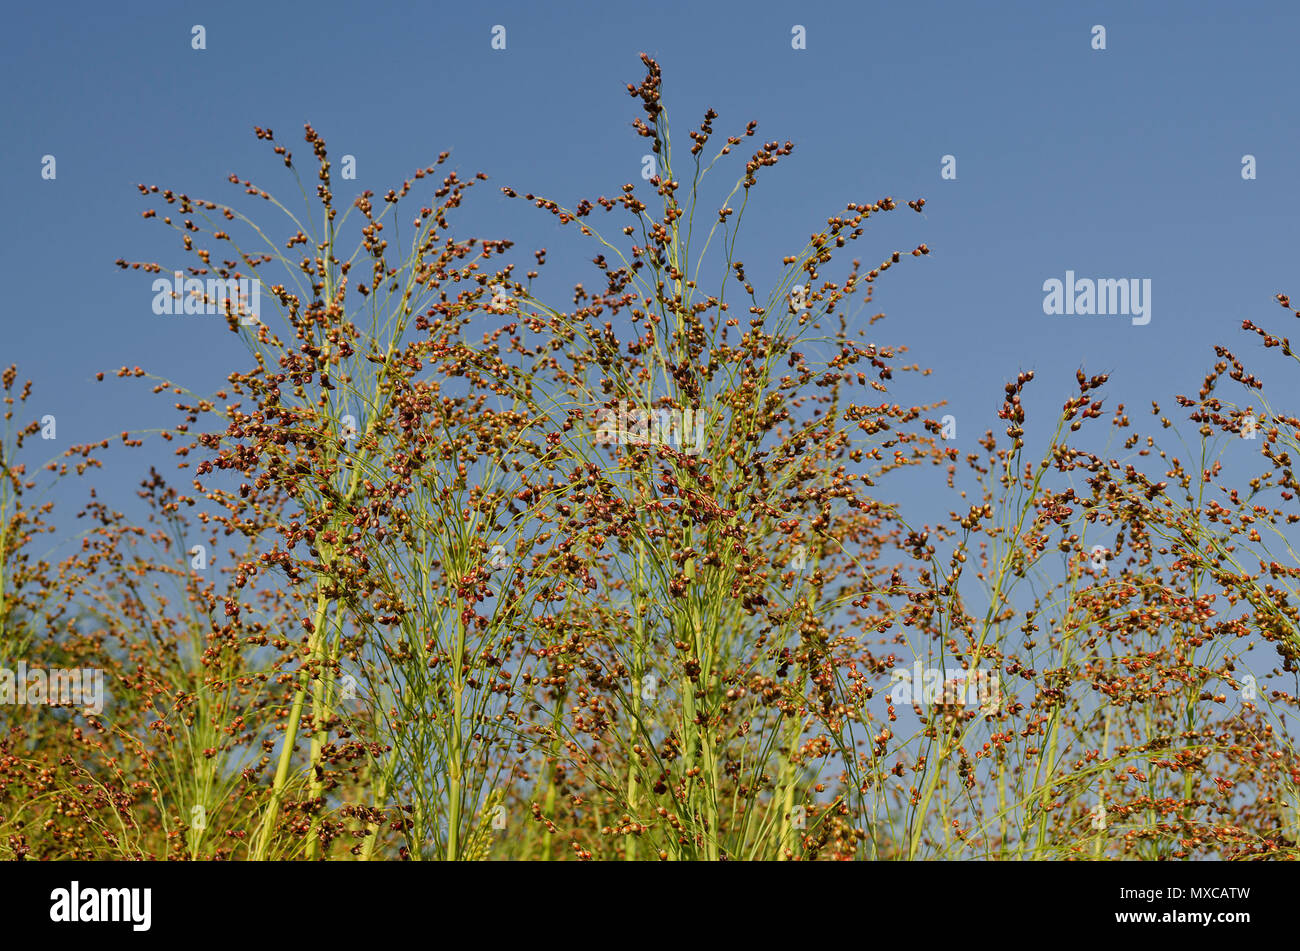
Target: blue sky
{"points": [[1122, 163]]}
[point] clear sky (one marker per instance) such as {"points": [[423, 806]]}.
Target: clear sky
{"points": [[1116, 163]]}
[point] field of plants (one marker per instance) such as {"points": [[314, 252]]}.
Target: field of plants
{"points": [[456, 568]]}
